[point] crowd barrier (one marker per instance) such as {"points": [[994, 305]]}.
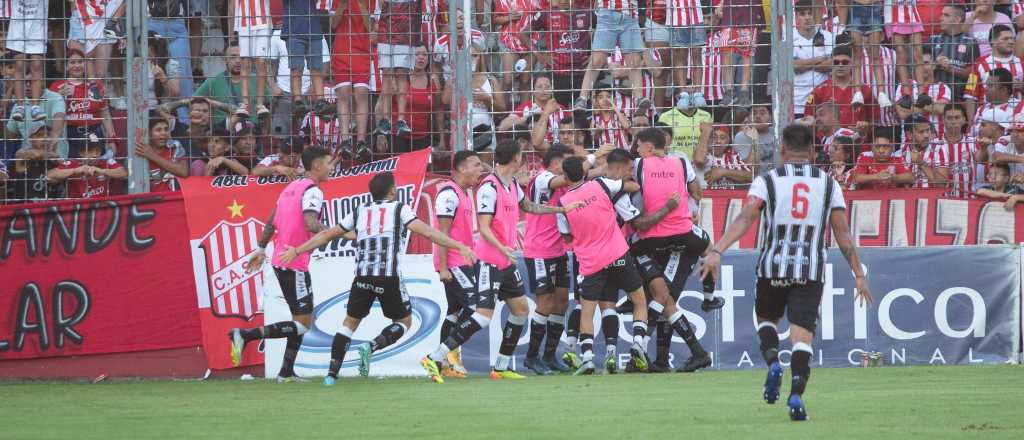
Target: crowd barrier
{"points": [[129, 274]]}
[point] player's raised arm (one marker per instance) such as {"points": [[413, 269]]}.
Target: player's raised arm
{"points": [[320, 239], [256, 260], [736, 230], [841, 232], [441, 239]]}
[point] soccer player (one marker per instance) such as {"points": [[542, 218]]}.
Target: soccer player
{"points": [[605, 263], [498, 201], [294, 220], [380, 228], [453, 216], [794, 200], [659, 176], [547, 265]]}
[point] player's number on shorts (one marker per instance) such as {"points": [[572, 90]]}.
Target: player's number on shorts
{"points": [[369, 223], [800, 202]]}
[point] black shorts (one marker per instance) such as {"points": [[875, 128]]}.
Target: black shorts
{"points": [[493, 284], [459, 290], [604, 285], [547, 274], [390, 291], [297, 288], [672, 258], [798, 299]]}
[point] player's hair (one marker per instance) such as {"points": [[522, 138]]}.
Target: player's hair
{"points": [[1002, 166], [798, 138], [219, 131], [199, 100], [1003, 78], [959, 8], [653, 135], [573, 168], [461, 157], [381, 184], [913, 120], [557, 151], [886, 133], [310, 155], [996, 30], [955, 107], [619, 156], [506, 151], [842, 50], [155, 118]]}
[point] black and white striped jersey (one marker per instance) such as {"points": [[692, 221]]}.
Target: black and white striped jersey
{"points": [[380, 228], [798, 200]]}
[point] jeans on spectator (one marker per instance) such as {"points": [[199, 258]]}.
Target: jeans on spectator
{"points": [[616, 29], [176, 34]]}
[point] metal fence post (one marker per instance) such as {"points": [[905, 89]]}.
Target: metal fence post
{"points": [[137, 61], [782, 64], [462, 73]]}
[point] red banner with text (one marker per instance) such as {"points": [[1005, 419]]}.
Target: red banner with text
{"points": [[226, 215], [896, 218], [95, 276]]}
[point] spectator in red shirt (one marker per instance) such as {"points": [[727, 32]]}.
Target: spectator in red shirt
{"points": [[840, 89], [90, 176], [565, 34], [350, 65], [880, 169], [166, 157], [86, 110], [423, 107]]}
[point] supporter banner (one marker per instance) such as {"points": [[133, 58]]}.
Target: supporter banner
{"points": [[95, 276], [897, 218], [937, 305], [226, 215], [332, 279]]}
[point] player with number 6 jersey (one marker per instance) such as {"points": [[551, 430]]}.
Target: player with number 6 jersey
{"points": [[796, 203]]}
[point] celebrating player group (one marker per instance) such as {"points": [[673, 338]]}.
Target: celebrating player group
{"points": [[613, 223]]}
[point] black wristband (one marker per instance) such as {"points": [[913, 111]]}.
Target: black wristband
{"points": [[717, 252]]}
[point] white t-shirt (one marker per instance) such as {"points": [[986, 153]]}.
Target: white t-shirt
{"points": [[804, 49], [1015, 167]]}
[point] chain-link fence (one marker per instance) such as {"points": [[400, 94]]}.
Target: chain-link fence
{"points": [[909, 93]]}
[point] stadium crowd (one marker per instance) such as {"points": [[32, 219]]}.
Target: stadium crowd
{"points": [[901, 93]]}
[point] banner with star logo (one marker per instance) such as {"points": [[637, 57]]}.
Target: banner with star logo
{"points": [[226, 216]]}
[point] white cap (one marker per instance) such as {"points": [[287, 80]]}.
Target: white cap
{"points": [[997, 115]]}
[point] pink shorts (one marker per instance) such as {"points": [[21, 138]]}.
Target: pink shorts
{"points": [[903, 29]]}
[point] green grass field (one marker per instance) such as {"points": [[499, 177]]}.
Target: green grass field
{"points": [[908, 402]]}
